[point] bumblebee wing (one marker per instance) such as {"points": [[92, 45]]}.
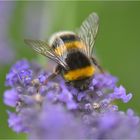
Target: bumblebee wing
{"points": [[43, 48], [61, 49], [88, 32]]}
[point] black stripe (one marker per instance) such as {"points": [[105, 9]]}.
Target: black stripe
{"points": [[76, 59], [65, 38], [68, 38]]}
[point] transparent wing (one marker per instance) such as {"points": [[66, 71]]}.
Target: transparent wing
{"points": [[88, 32], [43, 48], [61, 49]]}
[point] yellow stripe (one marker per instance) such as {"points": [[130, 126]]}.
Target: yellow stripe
{"points": [[79, 73], [73, 44]]}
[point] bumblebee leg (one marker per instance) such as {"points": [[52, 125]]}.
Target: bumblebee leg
{"points": [[97, 65], [57, 71]]}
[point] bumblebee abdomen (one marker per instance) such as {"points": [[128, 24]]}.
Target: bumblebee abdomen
{"points": [[76, 59], [79, 73], [80, 66]]}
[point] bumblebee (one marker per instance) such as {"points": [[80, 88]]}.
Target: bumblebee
{"points": [[72, 52]]}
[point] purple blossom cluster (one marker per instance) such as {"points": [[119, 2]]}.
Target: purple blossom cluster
{"points": [[59, 111]]}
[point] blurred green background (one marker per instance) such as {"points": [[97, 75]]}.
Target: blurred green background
{"points": [[117, 44]]}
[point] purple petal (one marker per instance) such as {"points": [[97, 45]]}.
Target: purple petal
{"points": [[15, 122], [11, 97]]}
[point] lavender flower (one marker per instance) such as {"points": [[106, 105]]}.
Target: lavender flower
{"points": [[11, 97], [53, 122], [16, 123], [19, 73], [120, 93], [59, 111]]}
